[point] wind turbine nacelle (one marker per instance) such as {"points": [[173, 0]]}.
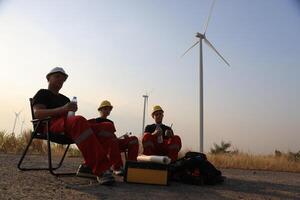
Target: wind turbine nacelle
{"points": [[200, 35]]}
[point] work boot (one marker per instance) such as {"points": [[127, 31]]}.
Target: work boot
{"points": [[106, 178], [119, 172], [85, 171]]}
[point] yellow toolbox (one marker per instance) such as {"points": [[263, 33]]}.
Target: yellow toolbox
{"points": [[146, 172]]}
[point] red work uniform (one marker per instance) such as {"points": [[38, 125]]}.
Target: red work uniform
{"points": [[170, 146], [77, 128], [106, 133]]}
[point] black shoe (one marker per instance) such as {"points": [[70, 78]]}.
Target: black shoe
{"points": [[85, 171], [106, 178]]}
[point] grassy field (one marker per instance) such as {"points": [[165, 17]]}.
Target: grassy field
{"points": [[289, 162], [285, 162], [9, 143]]}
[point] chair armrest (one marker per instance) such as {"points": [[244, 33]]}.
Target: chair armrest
{"points": [[41, 120]]}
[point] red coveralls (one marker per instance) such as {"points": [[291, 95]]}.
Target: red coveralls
{"points": [[79, 130], [112, 145], [170, 146]]}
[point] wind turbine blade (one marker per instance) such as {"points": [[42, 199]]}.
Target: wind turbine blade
{"points": [[209, 15], [190, 48], [211, 46], [151, 91]]}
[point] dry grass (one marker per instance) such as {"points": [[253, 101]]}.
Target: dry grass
{"points": [[278, 162], [284, 162], [9, 143]]}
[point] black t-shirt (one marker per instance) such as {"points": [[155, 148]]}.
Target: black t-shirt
{"points": [[49, 99], [99, 120], [151, 128]]}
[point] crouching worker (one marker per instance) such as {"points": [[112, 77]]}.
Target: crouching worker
{"points": [[50, 103], [114, 146], [159, 139]]}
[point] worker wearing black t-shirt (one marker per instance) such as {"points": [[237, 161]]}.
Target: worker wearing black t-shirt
{"points": [[106, 133], [50, 103], [159, 139]]}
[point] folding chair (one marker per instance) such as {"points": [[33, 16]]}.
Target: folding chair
{"points": [[58, 138]]}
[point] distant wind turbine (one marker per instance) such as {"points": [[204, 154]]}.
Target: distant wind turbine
{"points": [[202, 37], [16, 118], [23, 121], [146, 96]]}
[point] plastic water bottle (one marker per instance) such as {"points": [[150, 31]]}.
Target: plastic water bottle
{"points": [[160, 136], [72, 113]]}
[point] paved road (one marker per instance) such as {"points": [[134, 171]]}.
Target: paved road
{"points": [[240, 184]]}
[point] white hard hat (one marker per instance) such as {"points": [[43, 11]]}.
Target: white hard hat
{"points": [[57, 70]]}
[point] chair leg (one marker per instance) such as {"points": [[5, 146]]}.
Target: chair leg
{"points": [[63, 157], [50, 168], [24, 154]]}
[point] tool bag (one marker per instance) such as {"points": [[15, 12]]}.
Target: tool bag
{"points": [[194, 168]]}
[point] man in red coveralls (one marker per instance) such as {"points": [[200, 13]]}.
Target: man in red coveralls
{"points": [[106, 133], [159, 139], [50, 103]]}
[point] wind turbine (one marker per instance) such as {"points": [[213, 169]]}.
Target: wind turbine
{"points": [[16, 118], [202, 37], [23, 121], [145, 96]]}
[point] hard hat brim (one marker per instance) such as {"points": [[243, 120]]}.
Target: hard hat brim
{"points": [[51, 73], [156, 111], [111, 107]]}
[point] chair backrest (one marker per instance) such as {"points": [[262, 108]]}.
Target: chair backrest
{"points": [[31, 108], [32, 112]]}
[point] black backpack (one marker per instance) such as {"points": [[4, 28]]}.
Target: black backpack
{"points": [[194, 168]]}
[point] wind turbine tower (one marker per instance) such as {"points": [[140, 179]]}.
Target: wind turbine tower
{"points": [[144, 112], [202, 37], [16, 118], [23, 121]]}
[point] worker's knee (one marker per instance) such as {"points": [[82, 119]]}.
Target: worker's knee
{"points": [[133, 139], [177, 141], [147, 137]]}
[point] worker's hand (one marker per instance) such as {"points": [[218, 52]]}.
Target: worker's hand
{"points": [[71, 106], [169, 133], [157, 132]]}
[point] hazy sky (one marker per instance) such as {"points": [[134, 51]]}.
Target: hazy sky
{"points": [[118, 50]]}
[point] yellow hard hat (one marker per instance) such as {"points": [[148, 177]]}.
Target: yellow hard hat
{"points": [[156, 108], [105, 103]]}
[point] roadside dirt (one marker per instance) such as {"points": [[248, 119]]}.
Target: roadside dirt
{"points": [[240, 184]]}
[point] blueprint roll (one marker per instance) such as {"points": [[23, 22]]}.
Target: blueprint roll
{"points": [[156, 159]]}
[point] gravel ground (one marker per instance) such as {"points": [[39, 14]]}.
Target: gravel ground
{"points": [[240, 184]]}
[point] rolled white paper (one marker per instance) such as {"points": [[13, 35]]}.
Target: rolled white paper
{"points": [[156, 159]]}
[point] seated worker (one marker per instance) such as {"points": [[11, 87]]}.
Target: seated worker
{"points": [[50, 103], [106, 133], [159, 139]]}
